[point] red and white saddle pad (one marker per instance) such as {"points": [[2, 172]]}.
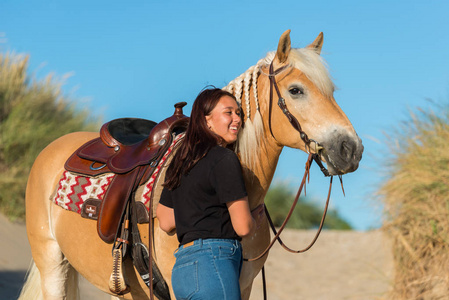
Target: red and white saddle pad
{"points": [[74, 189]]}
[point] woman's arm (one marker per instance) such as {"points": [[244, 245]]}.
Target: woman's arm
{"points": [[243, 220], [166, 217]]}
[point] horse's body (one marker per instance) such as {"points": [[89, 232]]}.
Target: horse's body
{"points": [[62, 242]]}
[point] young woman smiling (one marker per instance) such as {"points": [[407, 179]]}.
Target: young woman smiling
{"points": [[205, 200]]}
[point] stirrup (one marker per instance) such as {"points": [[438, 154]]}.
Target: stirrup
{"points": [[117, 284]]}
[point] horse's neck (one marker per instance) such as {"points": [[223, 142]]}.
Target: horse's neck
{"points": [[258, 177]]}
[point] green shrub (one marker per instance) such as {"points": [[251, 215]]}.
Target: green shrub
{"points": [[32, 114]]}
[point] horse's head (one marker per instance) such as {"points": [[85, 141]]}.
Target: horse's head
{"points": [[300, 77]]}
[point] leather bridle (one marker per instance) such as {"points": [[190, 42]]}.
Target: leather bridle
{"points": [[311, 158], [291, 118]]}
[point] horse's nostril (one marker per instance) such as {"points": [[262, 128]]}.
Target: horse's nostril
{"points": [[347, 149]]}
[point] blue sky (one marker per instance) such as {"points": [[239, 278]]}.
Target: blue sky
{"points": [[136, 59]]}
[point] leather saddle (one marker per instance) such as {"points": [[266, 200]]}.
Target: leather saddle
{"points": [[131, 149]]}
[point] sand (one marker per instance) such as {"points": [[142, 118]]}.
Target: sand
{"points": [[342, 265]]}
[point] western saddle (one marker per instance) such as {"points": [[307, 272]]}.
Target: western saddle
{"points": [[131, 149]]}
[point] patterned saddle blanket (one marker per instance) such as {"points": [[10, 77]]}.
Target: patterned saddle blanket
{"points": [[83, 194]]}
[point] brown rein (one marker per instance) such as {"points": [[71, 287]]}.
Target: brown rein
{"points": [[312, 157], [292, 208]]}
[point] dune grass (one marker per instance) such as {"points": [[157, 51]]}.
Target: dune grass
{"points": [[32, 114], [416, 199]]}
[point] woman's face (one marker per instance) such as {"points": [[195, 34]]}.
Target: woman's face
{"points": [[224, 120]]}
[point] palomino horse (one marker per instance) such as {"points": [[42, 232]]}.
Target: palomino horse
{"points": [[63, 243]]}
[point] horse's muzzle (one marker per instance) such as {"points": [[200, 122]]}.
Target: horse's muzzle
{"points": [[342, 152]]}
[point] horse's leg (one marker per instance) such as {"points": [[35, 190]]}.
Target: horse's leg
{"points": [[246, 292], [58, 278], [252, 247], [53, 268], [32, 288]]}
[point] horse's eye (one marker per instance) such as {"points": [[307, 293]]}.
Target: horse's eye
{"points": [[295, 91]]}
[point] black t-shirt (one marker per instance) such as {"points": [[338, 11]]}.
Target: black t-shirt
{"points": [[199, 202]]}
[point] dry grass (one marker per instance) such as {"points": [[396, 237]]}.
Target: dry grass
{"points": [[416, 198]]}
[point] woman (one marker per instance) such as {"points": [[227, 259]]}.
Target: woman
{"points": [[205, 200]]}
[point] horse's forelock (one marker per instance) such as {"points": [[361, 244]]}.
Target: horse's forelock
{"points": [[310, 63], [314, 67]]}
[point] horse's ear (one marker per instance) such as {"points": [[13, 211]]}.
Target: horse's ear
{"points": [[284, 47], [317, 44]]}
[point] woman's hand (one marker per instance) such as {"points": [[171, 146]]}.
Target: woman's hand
{"points": [[243, 220]]}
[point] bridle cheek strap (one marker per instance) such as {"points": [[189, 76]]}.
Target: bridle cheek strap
{"points": [[283, 106], [291, 118]]}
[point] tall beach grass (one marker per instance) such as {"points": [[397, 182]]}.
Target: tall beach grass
{"points": [[416, 201]]}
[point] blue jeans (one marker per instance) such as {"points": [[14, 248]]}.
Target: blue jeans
{"points": [[208, 269]]}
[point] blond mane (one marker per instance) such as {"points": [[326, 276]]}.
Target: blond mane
{"points": [[304, 59]]}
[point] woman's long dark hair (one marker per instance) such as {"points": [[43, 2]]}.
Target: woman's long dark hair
{"points": [[199, 139]]}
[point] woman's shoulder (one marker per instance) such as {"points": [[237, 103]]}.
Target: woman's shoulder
{"points": [[221, 151], [222, 155]]}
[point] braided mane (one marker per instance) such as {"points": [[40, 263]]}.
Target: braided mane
{"points": [[304, 59]]}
